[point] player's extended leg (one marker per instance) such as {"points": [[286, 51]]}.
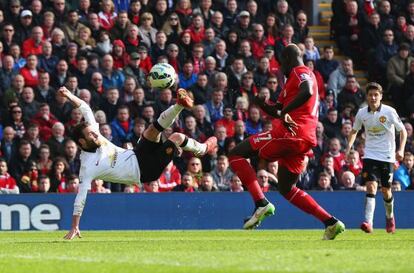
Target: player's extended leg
{"points": [[367, 225], [389, 209], [287, 188], [246, 173], [192, 145]]}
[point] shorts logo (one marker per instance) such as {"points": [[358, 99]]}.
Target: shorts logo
{"points": [[382, 119], [169, 150]]}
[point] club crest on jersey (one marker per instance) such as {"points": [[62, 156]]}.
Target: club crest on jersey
{"points": [[169, 150], [382, 119]]}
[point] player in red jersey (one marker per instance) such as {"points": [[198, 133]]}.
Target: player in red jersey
{"points": [[292, 137]]}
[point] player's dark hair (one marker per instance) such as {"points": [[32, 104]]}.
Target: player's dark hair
{"points": [[373, 86], [77, 132]]}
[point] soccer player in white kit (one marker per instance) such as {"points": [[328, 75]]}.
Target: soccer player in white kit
{"points": [[100, 159], [380, 122]]}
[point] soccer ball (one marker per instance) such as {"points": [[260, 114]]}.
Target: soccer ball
{"points": [[162, 76]]}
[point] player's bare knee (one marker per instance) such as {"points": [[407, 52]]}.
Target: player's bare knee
{"points": [[371, 187], [177, 138], [386, 191]]}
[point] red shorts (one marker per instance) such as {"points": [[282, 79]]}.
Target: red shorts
{"points": [[279, 145]]}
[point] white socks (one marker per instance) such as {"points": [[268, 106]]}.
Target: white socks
{"points": [[194, 146], [369, 208], [167, 118], [389, 208]]}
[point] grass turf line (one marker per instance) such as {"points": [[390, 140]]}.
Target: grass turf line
{"points": [[207, 251]]}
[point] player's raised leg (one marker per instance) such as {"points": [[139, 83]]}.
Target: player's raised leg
{"points": [[297, 197], [167, 118], [246, 173], [367, 225]]}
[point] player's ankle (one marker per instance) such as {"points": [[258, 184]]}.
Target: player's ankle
{"points": [[331, 221], [261, 203]]}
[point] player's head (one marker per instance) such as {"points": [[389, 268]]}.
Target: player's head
{"points": [[85, 137], [374, 94], [291, 57]]}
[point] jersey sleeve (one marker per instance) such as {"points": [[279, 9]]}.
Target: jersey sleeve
{"points": [[358, 121], [84, 186], [396, 121], [88, 116], [303, 76]]}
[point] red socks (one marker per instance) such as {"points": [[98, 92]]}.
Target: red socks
{"points": [[247, 175], [306, 203]]}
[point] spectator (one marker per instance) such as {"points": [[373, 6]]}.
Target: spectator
{"points": [[32, 135], [222, 174], [263, 180], [56, 141], [98, 186], [8, 36], [351, 94], [209, 42], [59, 174], [44, 184], [348, 182], [371, 34], [133, 69], [187, 77], [24, 26], [324, 183], [199, 63], [207, 183], [334, 150], [7, 182], [218, 24], [337, 78], [30, 179], [405, 171], [29, 105], [195, 169], [164, 101], [286, 38], [190, 129], [20, 162], [203, 125], [122, 126], [300, 27], [311, 51], [120, 28], [215, 106], [7, 72], [236, 184], [254, 123], [73, 184], [72, 25], [146, 32], [45, 120], [172, 28], [327, 64], [187, 184], [47, 61], [30, 72], [60, 76], [107, 15], [169, 178], [153, 186], [44, 92], [201, 90], [235, 72], [44, 163], [221, 55], [111, 103], [111, 77], [227, 121], [397, 69]]}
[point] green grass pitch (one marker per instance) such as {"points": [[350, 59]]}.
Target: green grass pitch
{"points": [[207, 251]]}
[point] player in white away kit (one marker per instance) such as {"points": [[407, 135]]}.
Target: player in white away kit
{"points": [[380, 122], [103, 160]]}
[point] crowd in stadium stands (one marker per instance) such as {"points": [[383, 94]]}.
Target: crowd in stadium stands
{"points": [[224, 53]]}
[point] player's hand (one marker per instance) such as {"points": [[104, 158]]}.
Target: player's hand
{"points": [[399, 155], [290, 124], [74, 232], [64, 92]]}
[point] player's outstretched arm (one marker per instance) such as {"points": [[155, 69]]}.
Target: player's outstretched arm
{"points": [[79, 204]]}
